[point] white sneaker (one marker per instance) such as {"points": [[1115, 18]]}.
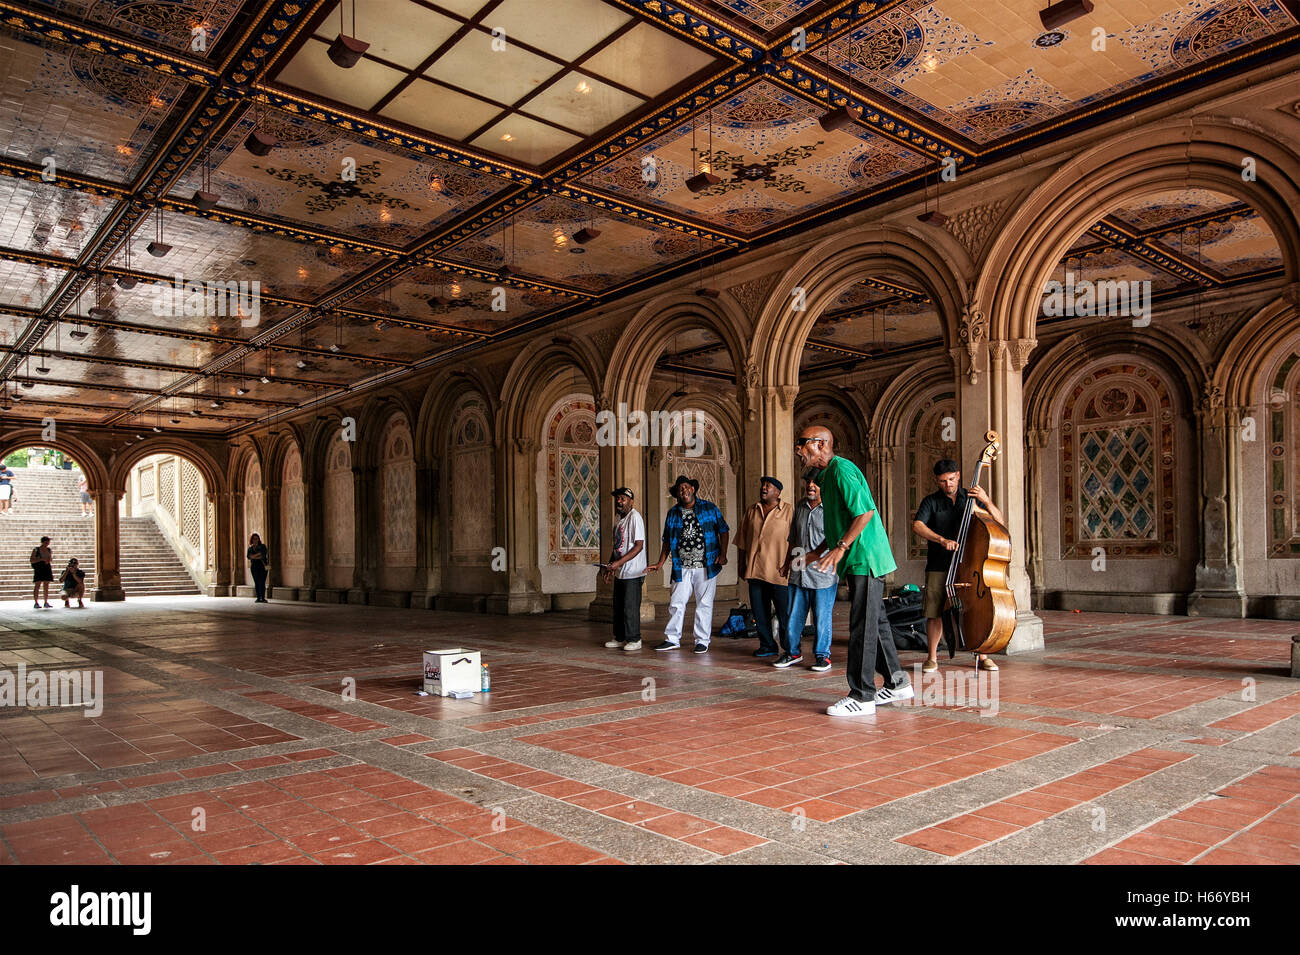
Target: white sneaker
{"points": [[613, 644], [632, 645], [851, 707], [885, 695]]}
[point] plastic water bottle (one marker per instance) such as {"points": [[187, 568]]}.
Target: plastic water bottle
{"points": [[487, 679]]}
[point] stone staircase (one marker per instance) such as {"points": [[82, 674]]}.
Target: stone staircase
{"points": [[47, 505]]}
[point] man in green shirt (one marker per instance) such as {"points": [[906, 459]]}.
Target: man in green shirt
{"points": [[860, 553]]}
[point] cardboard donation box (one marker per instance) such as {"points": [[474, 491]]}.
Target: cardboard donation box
{"points": [[449, 670]]}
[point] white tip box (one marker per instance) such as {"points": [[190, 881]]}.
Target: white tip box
{"points": [[455, 669]]}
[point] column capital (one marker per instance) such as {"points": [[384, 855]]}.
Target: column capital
{"points": [[1020, 351]]}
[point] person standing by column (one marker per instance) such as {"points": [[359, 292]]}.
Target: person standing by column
{"points": [[42, 572], [626, 568], [862, 556], [6, 489], [760, 552], [697, 536], [938, 522], [810, 588], [83, 492], [258, 560]]}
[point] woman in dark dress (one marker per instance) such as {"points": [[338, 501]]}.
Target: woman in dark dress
{"points": [[257, 562], [42, 572]]}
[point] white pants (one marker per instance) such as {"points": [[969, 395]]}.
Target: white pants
{"points": [[698, 583]]}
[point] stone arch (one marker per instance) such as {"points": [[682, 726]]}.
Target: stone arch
{"points": [[533, 375], [214, 474], [832, 266], [835, 409], [627, 379], [92, 465], [374, 418], [470, 453], [437, 408], [1241, 375], [1202, 152], [290, 477]]}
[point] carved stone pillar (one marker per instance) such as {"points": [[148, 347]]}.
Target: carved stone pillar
{"points": [[226, 564], [108, 545], [1037, 441], [271, 533], [1219, 591], [516, 521], [428, 566], [366, 534], [313, 534], [989, 395]]}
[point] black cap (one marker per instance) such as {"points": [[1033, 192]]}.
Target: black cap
{"points": [[624, 491], [683, 479], [768, 479]]}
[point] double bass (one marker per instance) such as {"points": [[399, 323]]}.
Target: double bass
{"points": [[980, 611]]}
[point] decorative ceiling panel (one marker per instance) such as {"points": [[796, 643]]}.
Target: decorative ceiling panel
{"points": [[540, 244], [95, 115], [47, 219], [192, 28], [988, 71], [775, 160], [323, 179], [26, 286], [428, 294]]}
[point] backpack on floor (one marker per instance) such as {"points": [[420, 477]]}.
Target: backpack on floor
{"points": [[740, 623], [906, 613]]}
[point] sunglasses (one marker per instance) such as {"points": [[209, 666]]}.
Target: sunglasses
{"points": [[800, 442]]}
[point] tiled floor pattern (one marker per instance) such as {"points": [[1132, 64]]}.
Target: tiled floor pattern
{"points": [[230, 715]]}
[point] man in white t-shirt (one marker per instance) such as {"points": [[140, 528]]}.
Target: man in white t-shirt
{"points": [[627, 569]]}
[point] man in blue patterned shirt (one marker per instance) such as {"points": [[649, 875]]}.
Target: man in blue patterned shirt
{"points": [[697, 536]]}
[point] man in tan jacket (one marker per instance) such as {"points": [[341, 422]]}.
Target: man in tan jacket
{"points": [[761, 547]]}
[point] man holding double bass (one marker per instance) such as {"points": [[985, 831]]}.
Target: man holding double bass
{"points": [[938, 522]]}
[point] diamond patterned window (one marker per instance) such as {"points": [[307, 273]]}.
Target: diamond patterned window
{"points": [[1117, 463], [1283, 460], [573, 481]]}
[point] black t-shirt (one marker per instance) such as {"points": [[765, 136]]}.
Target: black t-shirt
{"points": [[944, 518], [257, 555]]}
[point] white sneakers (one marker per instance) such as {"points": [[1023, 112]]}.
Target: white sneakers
{"points": [[632, 645], [885, 695], [851, 707]]}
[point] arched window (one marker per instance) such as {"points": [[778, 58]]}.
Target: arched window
{"points": [[254, 510], [1283, 460], [931, 437], [340, 507], [397, 490], [710, 466], [1117, 465], [292, 512], [472, 483], [572, 481]]}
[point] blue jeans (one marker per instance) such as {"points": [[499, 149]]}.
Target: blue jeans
{"points": [[822, 601]]}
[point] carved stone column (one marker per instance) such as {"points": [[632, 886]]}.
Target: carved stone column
{"points": [[271, 533], [1219, 591], [1037, 441], [225, 566], [428, 558], [108, 545], [516, 521], [989, 395], [366, 535]]}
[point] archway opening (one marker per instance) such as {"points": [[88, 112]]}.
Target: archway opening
{"points": [[43, 493], [167, 528]]}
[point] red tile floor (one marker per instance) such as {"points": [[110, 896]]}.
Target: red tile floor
{"points": [[291, 733]]}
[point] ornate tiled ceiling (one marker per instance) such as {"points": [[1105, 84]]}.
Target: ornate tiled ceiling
{"points": [[474, 138]]}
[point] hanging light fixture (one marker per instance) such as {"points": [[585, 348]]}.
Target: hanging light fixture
{"points": [[205, 198], [704, 178], [260, 143], [1058, 14], [126, 282], [931, 216], [158, 248], [346, 50], [841, 117]]}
